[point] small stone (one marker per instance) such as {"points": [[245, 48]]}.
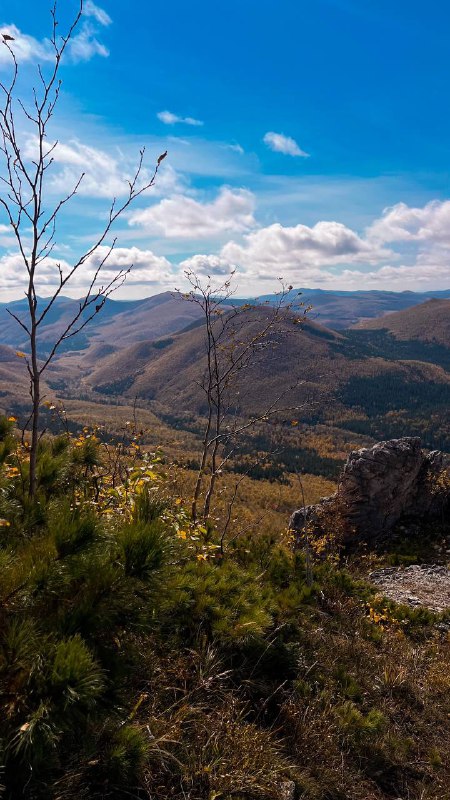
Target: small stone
{"points": [[287, 790]]}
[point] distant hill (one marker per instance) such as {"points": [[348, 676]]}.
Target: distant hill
{"points": [[122, 322], [365, 380], [339, 310], [336, 378], [168, 370], [427, 322], [151, 318], [56, 320], [14, 383]]}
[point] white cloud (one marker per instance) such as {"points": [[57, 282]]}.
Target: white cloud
{"points": [[173, 119], [182, 217], [410, 277], [13, 274], [91, 10], [105, 176], [147, 269], [282, 250], [283, 144], [25, 47], [236, 148], [207, 265], [424, 234], [83, 46], [401, 223], [322, 255]]}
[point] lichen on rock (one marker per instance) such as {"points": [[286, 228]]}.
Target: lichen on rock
{"points": [[378, 487]]}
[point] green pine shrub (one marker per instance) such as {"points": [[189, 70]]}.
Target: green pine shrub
{"points": [[137, 660]]}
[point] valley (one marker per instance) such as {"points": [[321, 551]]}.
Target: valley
{"points": [[333, 390]]}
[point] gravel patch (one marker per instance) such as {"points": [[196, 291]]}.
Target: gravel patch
{"points": [[417, 585]]}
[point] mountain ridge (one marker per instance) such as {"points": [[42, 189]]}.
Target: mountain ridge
{"points": [[126, 321], [428, 322]]}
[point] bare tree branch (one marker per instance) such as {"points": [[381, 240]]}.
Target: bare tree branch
{"points": [[233, 345], [23, 194]]}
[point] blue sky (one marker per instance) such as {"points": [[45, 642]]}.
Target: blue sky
{"points": [[309, 140]]}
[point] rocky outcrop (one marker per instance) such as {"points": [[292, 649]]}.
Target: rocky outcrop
{"points": [[378, 487]]}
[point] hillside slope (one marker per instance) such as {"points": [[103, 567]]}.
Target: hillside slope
{"points": [[364, 382], [125, 322], [119, 322], [427, 322], [339, 310], [332, 378]]}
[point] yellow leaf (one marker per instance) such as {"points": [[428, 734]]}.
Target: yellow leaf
{"points": [[4, 523], [19, 354]]}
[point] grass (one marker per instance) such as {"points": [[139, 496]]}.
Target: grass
{"points": [[137, 658]]}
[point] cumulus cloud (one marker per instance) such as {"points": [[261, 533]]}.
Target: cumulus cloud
{"points": [[323, 255], [147, 269], [208, 265], [281, 250], [424, 233], [391, 278], [173, 119], [13, 274], [182, 217], [401, 223], [280, 143]]}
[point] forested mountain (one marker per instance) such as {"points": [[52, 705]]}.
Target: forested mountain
{"points": [[120, 321], [363, 381], [427, 322], [125, 322]]}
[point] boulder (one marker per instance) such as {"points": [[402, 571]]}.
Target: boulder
{"points": [[378, 487], [287, 791]]}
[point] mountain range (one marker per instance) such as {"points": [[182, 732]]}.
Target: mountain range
{"points": [[125, 322], [383, 377]]}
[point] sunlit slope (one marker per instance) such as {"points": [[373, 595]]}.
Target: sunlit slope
{"points": [[329, 375], [119, 322], [428, 322]]}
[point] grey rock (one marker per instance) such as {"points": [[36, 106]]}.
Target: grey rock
{"points": [[378, 487], [287, 790]]}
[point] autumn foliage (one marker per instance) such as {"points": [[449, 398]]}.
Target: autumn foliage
{"points": [[137, 659]]}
